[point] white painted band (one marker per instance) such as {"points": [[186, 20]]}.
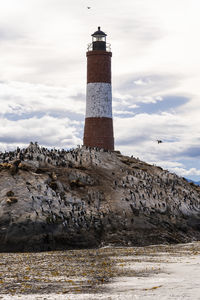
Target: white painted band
{"points": [[99, 100]]}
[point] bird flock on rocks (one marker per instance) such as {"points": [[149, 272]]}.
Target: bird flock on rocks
{"points": [[139, 187]]}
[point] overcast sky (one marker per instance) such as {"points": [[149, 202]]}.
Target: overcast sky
{"points": [[155, 75]]}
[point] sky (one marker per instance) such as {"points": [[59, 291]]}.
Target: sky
{"points": [[155, 76]]}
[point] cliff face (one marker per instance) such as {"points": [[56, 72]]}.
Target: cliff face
{"points": [[52, 199]]}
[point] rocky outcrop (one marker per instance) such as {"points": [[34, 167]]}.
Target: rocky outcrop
{"points": [[56, 199]]}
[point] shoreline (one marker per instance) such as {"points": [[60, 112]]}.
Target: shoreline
{"points": [[152, 272]]}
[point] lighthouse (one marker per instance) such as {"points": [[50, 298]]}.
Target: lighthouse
{"points": [[98, 130]]}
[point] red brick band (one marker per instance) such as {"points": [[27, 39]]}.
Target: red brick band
{"points": [[99, 66], [98, 132]]}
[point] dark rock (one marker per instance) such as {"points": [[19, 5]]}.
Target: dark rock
{"points": [[83, 198]]}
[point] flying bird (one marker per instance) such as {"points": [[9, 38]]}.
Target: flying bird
{"points": [[88, 7], [159, 141]]}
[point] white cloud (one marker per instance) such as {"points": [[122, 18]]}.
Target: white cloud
{"points": [[47, 131], [168, 164], [184, 172], [25, 98], [123, 112], [155, 55], [138, 136], [140, 82]]}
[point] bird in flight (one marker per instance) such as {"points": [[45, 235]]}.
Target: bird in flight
{"points": [[159, 141], [88, 7]]}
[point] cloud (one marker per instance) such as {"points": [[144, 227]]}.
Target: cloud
{"points": [[184, 172], [147, 84], [53, 116], [21, 98], [178, 168], [138, 134], [154, 65], [7, 34], [166, 104], [123, 112], [48, 131], [192, 151], [142, 82], [169, 164]]}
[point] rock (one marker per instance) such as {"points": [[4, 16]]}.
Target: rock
{"points": [[76, 183], [11, 200], [86, 197], [28, 166], [10, 194], [53, 185], [53, 176]]}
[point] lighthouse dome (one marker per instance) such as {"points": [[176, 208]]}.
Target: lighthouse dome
{"points": [[99, 33]]}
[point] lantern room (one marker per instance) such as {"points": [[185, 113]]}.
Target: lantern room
{"points": [[99, 40]]}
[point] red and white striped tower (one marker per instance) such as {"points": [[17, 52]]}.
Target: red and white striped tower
{"points": [[98, 131]]}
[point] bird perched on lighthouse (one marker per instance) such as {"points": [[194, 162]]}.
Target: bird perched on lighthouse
{"points": [[98, 130]]}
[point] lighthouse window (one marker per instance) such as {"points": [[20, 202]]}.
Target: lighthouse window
{"points": [[99, 39]]}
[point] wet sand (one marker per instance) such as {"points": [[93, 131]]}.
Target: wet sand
{"points": [[154, 272]]}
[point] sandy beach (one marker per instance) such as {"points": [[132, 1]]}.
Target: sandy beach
{"points": [[154, 272]]}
